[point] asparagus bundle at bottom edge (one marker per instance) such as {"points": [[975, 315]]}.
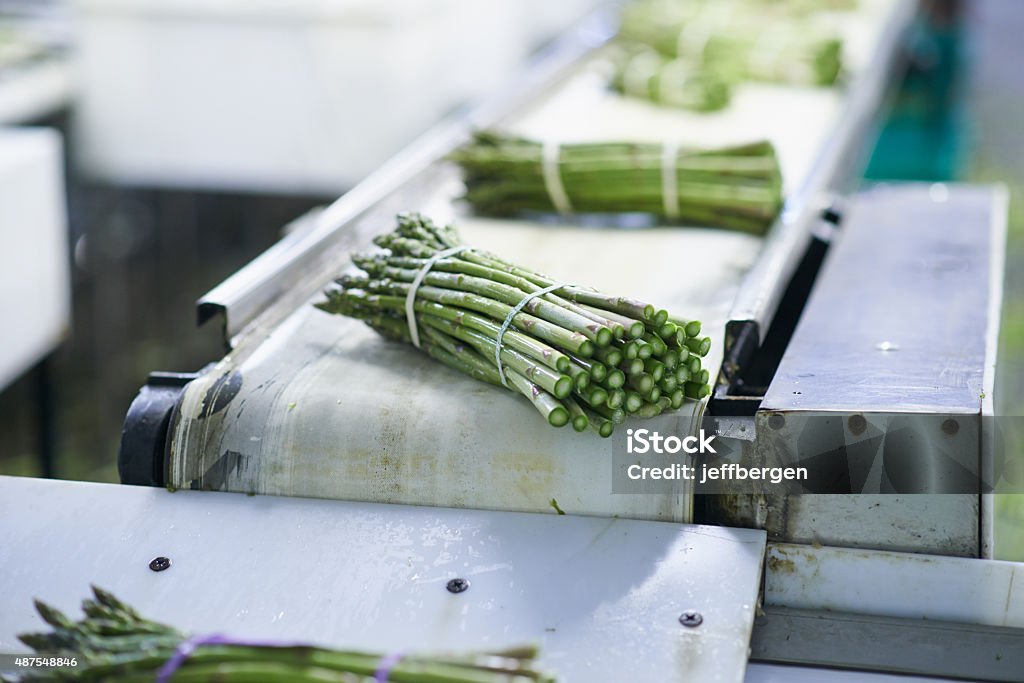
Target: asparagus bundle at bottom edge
{"points": [[580, 356], [114, 643]]}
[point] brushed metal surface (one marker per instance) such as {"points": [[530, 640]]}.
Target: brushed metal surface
{"points": [[898, 319], [602, 597]]}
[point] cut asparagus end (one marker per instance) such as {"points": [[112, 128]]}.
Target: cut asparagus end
{"points": [[616, 398], [616, 379], [677, 398], [563, 387], [610, 356], [558, 417], [699, 345], [696, 390]]}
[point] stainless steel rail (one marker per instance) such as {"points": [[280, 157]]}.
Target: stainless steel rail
{"points": [[250, 291], [835, 169]]}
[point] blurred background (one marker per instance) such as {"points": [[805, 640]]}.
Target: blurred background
{"points": [[149, 149]]}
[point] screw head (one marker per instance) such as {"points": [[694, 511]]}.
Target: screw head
{"points": [[457, 585], [950, 426], [159, 564], [691, 618], [857, 424], [776, 421]]}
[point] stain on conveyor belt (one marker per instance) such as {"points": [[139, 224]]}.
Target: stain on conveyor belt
{"points": [[217, 474], [220, 394]]}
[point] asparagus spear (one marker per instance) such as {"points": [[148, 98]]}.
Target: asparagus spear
{"points": [[113, 643]]}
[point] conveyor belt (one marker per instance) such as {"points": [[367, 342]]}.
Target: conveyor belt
{"points": [[314, 405], [326, 408]]}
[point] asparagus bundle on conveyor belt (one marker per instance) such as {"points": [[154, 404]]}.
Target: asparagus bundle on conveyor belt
{"points": [[738, 41], [640, 71], [580, 356], [738, 188], [114, 643]]}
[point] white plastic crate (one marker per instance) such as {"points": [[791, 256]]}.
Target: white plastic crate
{"points": [[35, 290], [276, 95]]}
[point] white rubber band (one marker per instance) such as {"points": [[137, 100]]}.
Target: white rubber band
{"points": [[553, 178], [669, 179], [498, 346], [410, 298]]}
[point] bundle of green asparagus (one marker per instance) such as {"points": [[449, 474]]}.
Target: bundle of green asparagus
{"points": [[738, 188], [114, 643], [580, 356], [739, 40], [640, 71]]}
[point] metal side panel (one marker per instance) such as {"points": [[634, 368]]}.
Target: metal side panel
{"points": [[881, 388], [782, 673], [602, 597], [898, 319], [900, 585], [884, 644], [892, 612]]}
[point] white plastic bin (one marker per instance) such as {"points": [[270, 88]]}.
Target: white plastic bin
{"points": [[35, 281], [276, 95]]}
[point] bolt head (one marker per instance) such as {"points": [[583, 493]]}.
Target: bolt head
{"points": [[457, 585], [691, 618], [159, 564]]}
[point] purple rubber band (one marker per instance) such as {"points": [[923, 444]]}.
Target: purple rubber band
{"points": [[188, 647], [387, 663]]}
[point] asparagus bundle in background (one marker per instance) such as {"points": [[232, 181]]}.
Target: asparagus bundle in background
{"points": [[640, 71], [579, 356], [739, 41], [114, 643], [738, 188]]}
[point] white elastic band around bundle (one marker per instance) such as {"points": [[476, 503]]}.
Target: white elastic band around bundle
{"points": [[410, 298], [498, 343], [553, 177], [669, 179]]}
